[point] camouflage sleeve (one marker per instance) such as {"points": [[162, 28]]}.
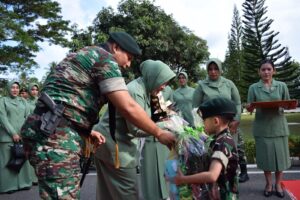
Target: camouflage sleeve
{"points": [[219, 155], [108, 75]]}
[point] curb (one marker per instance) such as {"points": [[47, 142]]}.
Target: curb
{"points": [[295, 161]]}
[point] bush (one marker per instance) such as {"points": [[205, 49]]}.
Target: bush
{"points": [[294, 146], [250, 150]]}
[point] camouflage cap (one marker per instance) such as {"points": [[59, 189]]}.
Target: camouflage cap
{"points": [[126, 42], [218, 106]]}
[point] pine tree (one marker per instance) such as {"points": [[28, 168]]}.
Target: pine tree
{"points": [[233, 63], [295, 89], [260, 43]]}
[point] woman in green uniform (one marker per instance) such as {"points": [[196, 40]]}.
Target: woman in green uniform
{"points": [[117, 172], [270, 128], [214, 86], [183, 97], [33, 90], [168, 93], [13, 112], [33, 93], [24, 93]]}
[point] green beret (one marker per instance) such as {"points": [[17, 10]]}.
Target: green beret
{"points": [[126, 42], [218, 107]]}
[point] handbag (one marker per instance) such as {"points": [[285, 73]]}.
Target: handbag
{"points": [[17, 158]]}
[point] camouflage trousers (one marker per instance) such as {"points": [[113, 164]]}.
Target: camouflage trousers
{"points": [[55, 159], [240, 144]]}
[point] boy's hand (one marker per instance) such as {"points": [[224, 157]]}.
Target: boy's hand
{"points": [[178, 178]]}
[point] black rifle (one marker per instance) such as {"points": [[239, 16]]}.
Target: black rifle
{"points": [[85, 166]]}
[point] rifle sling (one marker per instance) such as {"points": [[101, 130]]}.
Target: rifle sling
{"points": [[112, 130]]}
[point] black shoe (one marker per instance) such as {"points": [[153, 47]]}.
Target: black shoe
{"points": [[268, 193], [10, 192], [279, 194], [35, 183], [243, 177], [25, 188]]}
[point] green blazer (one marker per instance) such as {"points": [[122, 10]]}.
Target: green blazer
{"points": [[269, 122], [154, 74], [32, 100], [183, 97], [208, 89], [125, 132], [13, 112], [167, 93]]}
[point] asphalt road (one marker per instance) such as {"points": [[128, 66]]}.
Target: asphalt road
{"points": [[251, 190]]}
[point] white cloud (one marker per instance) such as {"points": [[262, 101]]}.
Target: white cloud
{"points": [[76, 13], [48, 54], [210, 20], [71, 10]]}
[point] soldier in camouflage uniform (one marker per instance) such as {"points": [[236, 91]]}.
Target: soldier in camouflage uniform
{"points": [[217, 113], [83, 82]]}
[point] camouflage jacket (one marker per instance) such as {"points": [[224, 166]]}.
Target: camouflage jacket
{"points": [[223, 148], [80, 82]]}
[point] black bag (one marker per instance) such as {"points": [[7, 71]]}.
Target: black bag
{"points": [[17, 158]]}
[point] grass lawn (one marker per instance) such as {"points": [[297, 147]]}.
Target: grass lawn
{"points": [[246, 124]]}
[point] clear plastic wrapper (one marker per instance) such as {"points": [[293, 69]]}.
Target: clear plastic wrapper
{"points": [[189, 155]]}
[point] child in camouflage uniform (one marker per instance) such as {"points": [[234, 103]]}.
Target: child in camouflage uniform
{"points": [[222, 174]]}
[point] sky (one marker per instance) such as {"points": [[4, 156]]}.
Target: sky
{"points": [[211, 20]]}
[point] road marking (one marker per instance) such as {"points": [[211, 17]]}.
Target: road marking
{"points": [[249, 172], [285, 172]]}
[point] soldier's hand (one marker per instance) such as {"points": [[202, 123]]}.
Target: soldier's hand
{"points": [[166, 138], [97, 138]]}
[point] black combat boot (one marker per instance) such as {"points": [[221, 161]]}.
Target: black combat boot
{"points": [[243, 177]]}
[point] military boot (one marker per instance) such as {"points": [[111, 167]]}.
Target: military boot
{"points": [[243, 177]]}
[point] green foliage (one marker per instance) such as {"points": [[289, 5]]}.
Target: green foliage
{"points": [[294, 138], [3, 83], [294, 145], [80, 38], [260, 43], [22, 25], [250, 150], [295, 88], [158, 34]]}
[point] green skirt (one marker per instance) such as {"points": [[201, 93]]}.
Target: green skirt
{"points": [[115, 184], [9, 180], [154, 155], [272, 153]]}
